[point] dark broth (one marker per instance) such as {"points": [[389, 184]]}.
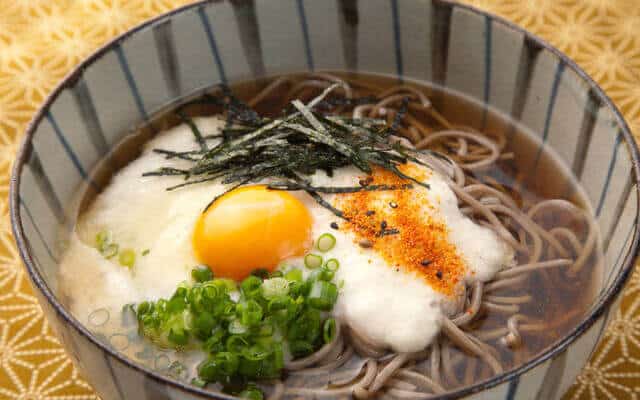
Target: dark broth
{"points": [[562, 303]]}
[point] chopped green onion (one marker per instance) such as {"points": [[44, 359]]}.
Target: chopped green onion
{"points": [[251, 393], [198, 382], [324, 274], [236, 327], [109, 250], [251, 286], [294, 275], [228, 285], [332, 264], [201, 273], [250, 314], [256, 353], [236, 343], [323, 295], [329, 330], [326, 242], [203, 324], [276, 274], [103, 238], [145, 252], [312, 261], [300, 348], [127, 258], [244, 335], [275, 287]]}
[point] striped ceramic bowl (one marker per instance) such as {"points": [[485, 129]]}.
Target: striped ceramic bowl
{"points": [[195, 47]]}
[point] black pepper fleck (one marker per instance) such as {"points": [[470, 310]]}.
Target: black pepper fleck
{"points": [[439, 274], [426, 263], [334, 225], [366, 181], [393, 204], [370, 212], [383, 225]]}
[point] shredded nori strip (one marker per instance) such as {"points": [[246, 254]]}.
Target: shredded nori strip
{"points": [[252, 148]]}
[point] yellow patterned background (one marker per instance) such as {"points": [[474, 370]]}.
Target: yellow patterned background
{"points": [[41, 40]]}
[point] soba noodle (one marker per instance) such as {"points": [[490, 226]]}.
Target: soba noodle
{"points": [[350, 365]]}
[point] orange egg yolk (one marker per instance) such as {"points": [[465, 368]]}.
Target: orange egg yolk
{"points": [[249, 228]]}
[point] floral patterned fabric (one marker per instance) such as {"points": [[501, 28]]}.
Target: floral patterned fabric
{"points": [[41, 40]]}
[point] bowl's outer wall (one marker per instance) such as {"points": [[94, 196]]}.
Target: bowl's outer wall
{"points": [[451, 45]]}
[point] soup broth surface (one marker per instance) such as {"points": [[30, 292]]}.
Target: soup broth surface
{"points": [[528, 171]]}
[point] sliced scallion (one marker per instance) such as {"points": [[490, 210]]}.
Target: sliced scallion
{"points": [[329, 330], [275, 287], [313, 261], [127, 258], [294, 275], [201, 273], [236, 327], [332, 264], [103, 238], [323, 295], [326, 242], [109, 250]]}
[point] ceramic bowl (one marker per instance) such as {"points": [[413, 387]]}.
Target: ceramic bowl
{"points": [[192, 48]]}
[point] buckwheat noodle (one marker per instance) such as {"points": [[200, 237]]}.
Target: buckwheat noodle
{"points": [[351, 366]]}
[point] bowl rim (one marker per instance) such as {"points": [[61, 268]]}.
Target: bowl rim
{"points": [[559, 346]]}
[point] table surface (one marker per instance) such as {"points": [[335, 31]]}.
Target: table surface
{"points": [[41, 40]]}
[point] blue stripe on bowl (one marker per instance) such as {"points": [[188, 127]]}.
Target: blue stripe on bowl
{"points": [[440, 30], [513, 388], [376, 47], [141, 60], [325, 38], [527, 61], [131, 81], [466, 70], [621, 237], [71, 154], [607, 180], [249, 34], [88, 117], [488, 29], [539, 100], [587, 127], [32, 230], [305, 34], [506, 46], [415, 55], [233, 57], [281, 35], [115, 104], [61, 166], [167, 56], [348, 20], [88, 146], [197, 69], [45, 223], [397, 38], [213, 45], [599, 157], [551, 106], [617, 211], [36, 185]]}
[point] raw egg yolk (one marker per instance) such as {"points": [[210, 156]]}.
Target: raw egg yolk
{"points": [[249, 228]]}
